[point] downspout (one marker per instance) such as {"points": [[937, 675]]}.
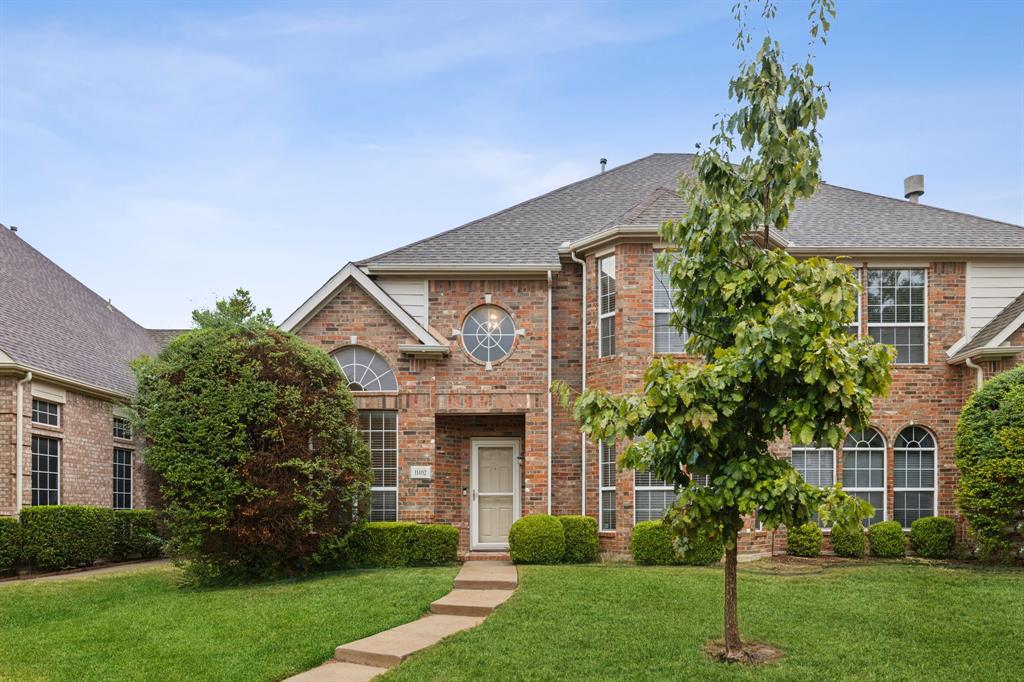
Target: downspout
{"points": [[549, 393], [19, 446], [978, 369], [583, 387]]}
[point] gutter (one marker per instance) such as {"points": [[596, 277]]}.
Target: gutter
{"points": [[583, 387], [19, 446], [88, 389], [549, 393]]}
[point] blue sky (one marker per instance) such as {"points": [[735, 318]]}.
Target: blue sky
{"points": [[165, 153]]}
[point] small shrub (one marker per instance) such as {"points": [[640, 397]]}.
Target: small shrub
{"points": [[581, 545], [135, 535], [390, 544], [66, 536], [886, 540], [652, 544], [537, 539], [847, 542], [10, 544], [932, 537], [804, 540]]}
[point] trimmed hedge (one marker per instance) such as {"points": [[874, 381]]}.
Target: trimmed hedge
{"points": [[804, 540], [537, 539], [10, 543], [847, 542], [581, 545], [135, 535], [652, 546], [390, 544], [932, 537], [66, 536], [886, 540]]}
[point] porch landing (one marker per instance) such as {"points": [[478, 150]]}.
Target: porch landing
{"points": [[480, 587]]}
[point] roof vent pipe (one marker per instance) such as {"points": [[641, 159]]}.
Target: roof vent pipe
{"points": [[604, 162], [913, 188], [14, 228]]}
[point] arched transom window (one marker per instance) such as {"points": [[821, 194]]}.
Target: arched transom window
{"points": [[864, 469], [488, 334], [365, 369], [913, 475]]}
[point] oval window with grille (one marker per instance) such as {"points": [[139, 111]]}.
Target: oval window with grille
{"points": [[488, 334]]}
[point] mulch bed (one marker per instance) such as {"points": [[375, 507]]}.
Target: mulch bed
{"points": [[754, 653]]}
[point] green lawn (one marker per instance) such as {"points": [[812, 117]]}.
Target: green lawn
{"points": [[145, 626], [871, 621]]}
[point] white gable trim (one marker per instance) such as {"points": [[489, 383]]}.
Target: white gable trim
{"points": [[1009, 329], [350, 272]]}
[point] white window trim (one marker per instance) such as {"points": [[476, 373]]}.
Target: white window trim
{"points": [[647, 488], [60, 413], [867, 324], [885, 475], [601, 317], [603, 487], [131, 479], [398, 469], [60, 467], [657, 310], [934, 490], [861, 294]]}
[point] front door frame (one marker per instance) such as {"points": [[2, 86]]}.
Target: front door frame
{"points": [[474, 520]]}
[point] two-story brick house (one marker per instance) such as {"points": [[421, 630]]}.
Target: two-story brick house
{"points": [[452, 342]]}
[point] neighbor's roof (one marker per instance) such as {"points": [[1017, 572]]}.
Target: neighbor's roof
{"points": [[643, 192], [52, 323], [1002, 325]]}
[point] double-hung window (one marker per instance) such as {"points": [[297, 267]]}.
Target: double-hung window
{"points": [[607, 467], [122, 428], [652, 496], [380, 431], [897, 312], [46, 413], [606, 306], [667, 338], [913, 475], [122, 479], [45, 471], [817, 466], [864, 470]]}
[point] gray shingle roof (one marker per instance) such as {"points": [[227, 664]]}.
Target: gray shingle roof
{"points": [[643, 192], [51, 322], [996, 325]]}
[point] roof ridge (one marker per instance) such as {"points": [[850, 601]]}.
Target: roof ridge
{"points": [[904, 202], [637, 209], [525, 202]]}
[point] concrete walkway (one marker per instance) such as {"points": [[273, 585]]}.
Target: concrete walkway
{"points": [[87, 572], [480, 587]]}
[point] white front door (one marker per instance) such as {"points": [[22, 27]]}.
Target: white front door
{"points": [[494, 496]]}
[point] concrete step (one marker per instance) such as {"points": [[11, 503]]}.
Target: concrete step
{"points": [[339, 671], [469, 602], [389, 648], [488, 555], [487, 575]]}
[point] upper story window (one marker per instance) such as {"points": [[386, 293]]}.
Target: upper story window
{"points": [[896, 312], [854, 328], [488, 334], [667, 339], [44, 412], [913, 475], [606, 306], [607, 463], [122, 428], [864, 469], [365, 369]]}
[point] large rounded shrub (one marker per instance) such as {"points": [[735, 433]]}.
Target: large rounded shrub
{"points": [[804, 540], [932, 537], [886, 540], [10, 544], [990, 458], [251, 433], [847, 541], [536, 539], [581, 545]]}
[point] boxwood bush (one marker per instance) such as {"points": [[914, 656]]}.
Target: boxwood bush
{"points": [[537, 539], [581, 545], [804, 540], [652, 545], [10, 544], [66, 536], [932, 537], [389, 544], [846, 541], [135, 535], [886, 540]]}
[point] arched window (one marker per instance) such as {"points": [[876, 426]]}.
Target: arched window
{"points": [[365, 370], [864, 469], [913, 475]]}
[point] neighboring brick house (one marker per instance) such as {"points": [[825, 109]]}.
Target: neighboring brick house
{"points": [[452, 342], [64, 382]]}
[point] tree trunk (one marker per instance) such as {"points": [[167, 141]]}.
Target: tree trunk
{"points": [[733, 645]]}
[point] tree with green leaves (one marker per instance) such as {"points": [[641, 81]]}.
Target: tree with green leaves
{"points": [[771, 330], [252, 436]]}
